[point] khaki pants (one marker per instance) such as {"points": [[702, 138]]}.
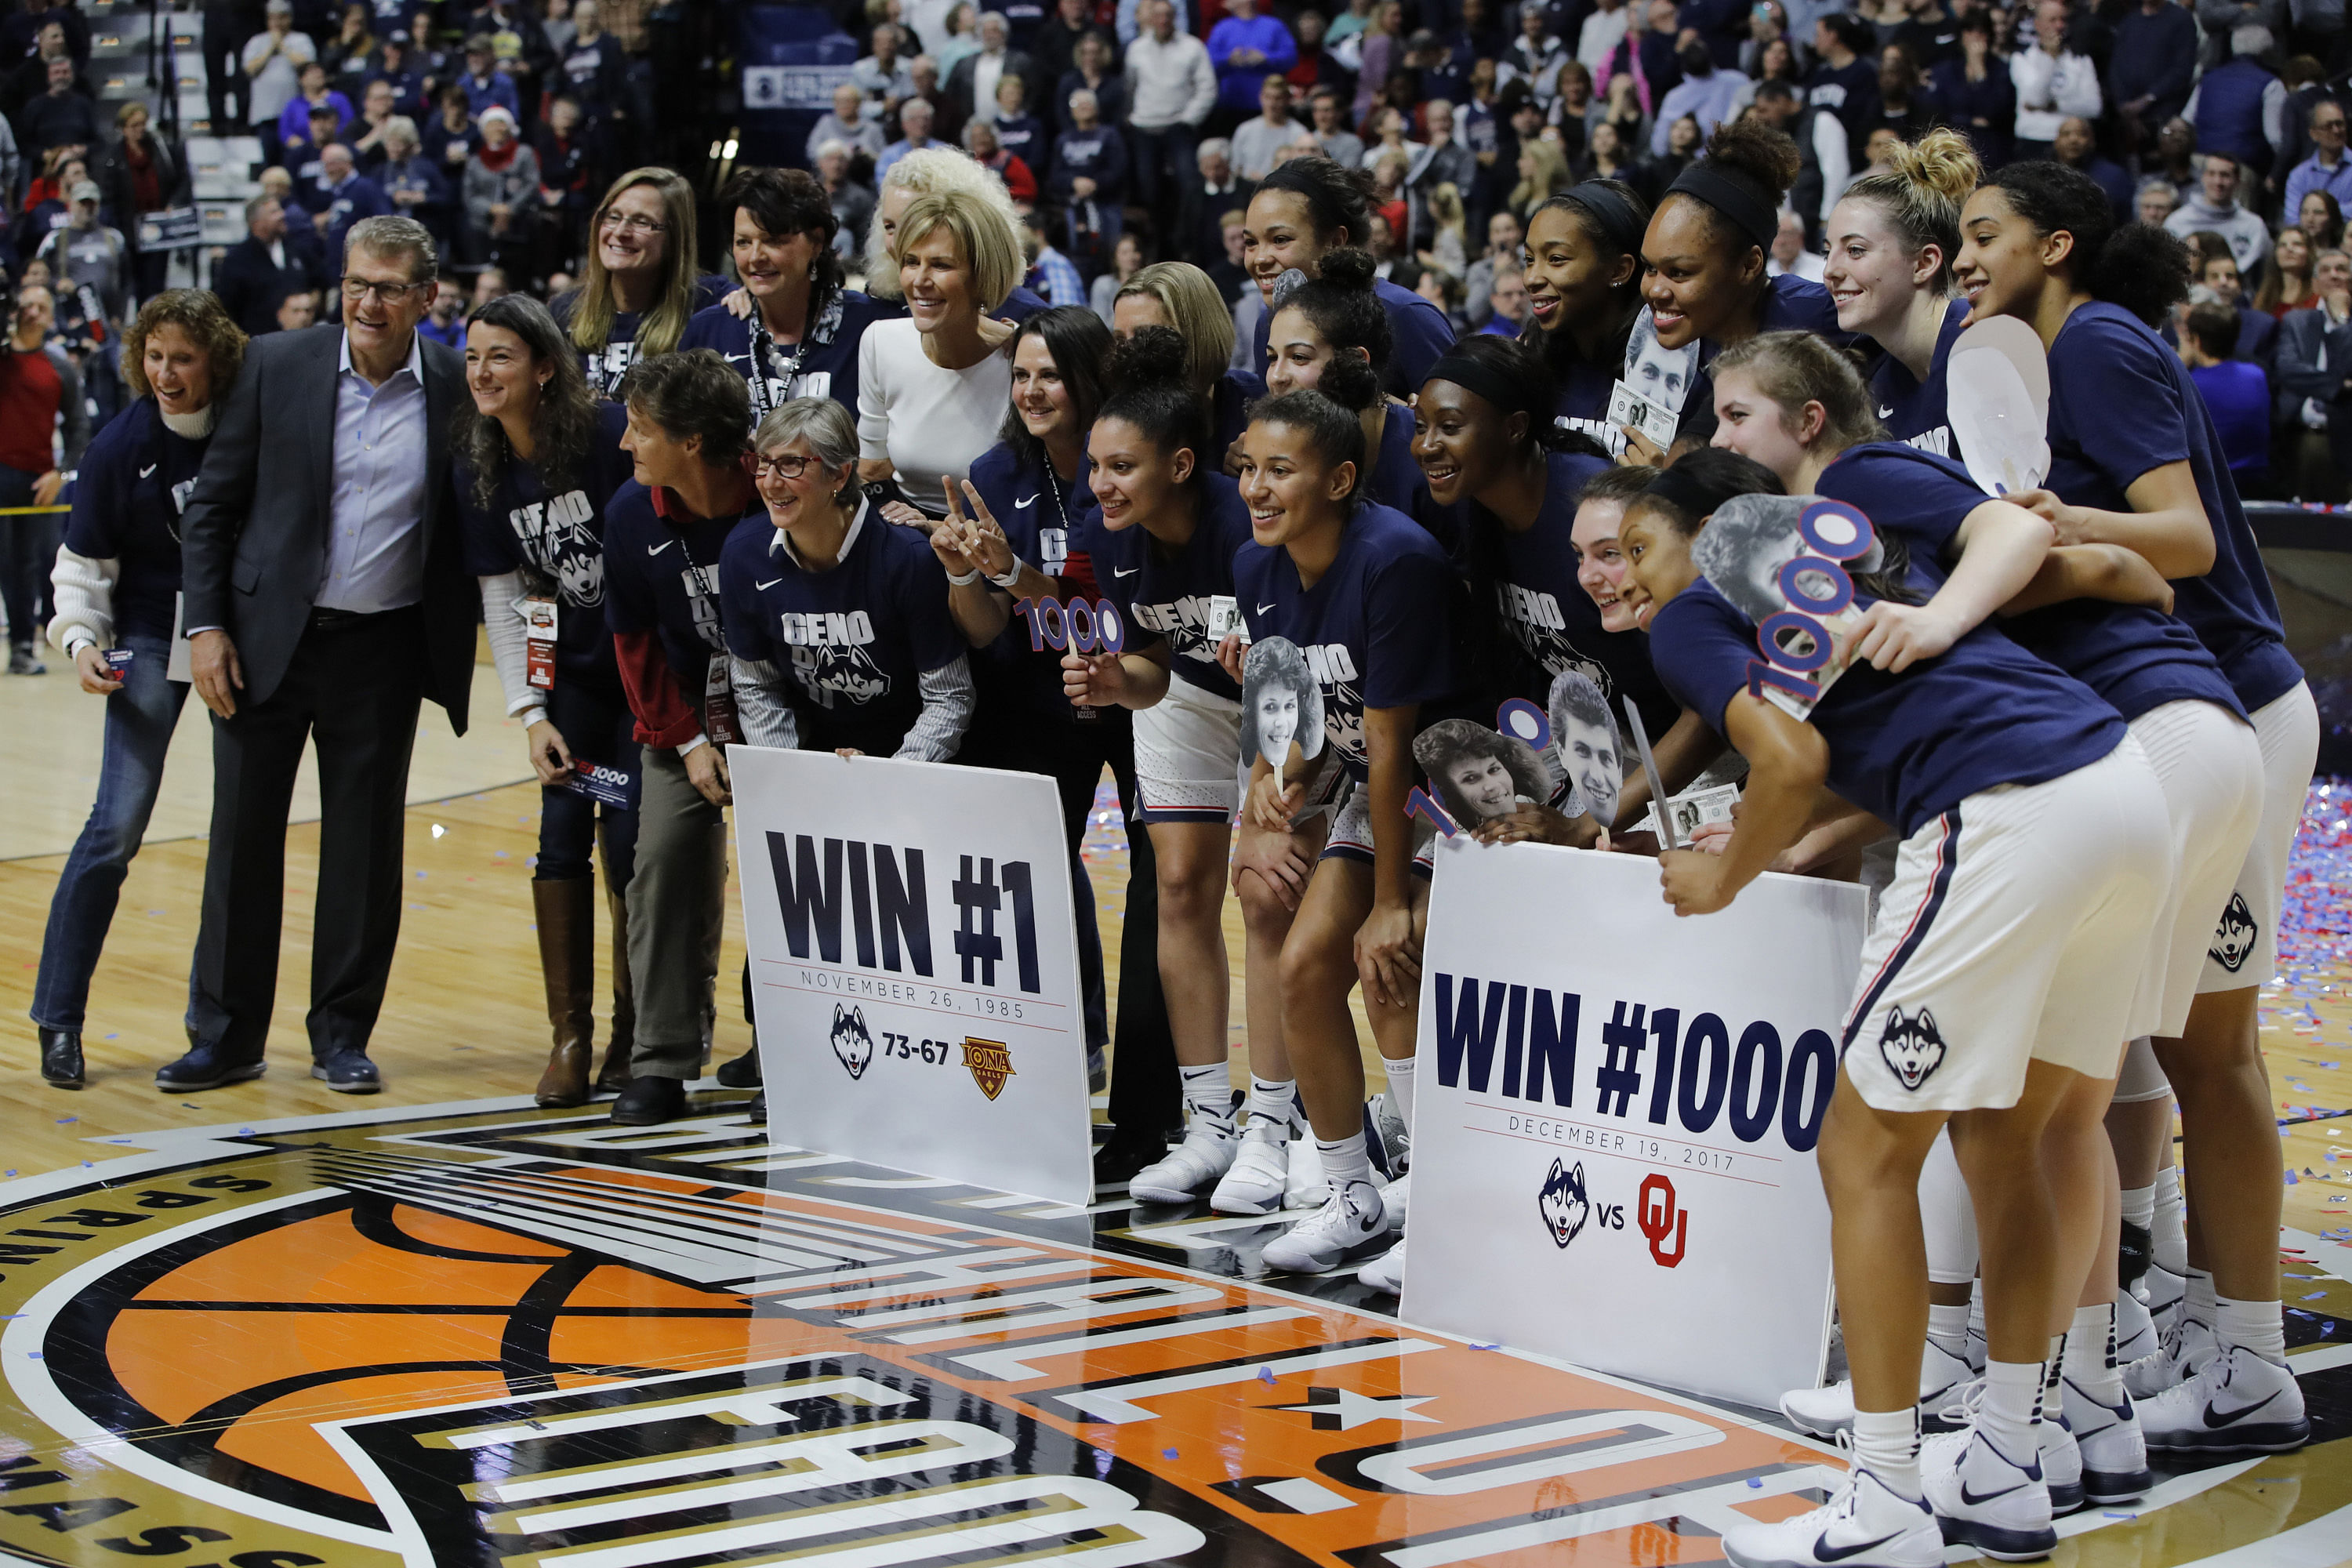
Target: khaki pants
{"points": [[677, 907]]}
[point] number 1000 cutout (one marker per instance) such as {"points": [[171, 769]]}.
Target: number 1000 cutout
{"points": [[1085, 625]]}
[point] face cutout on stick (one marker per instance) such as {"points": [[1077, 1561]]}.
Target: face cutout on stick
{"points": [[1997, 397], [1281, 705]]}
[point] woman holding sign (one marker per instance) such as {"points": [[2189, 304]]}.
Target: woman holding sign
{"points": [[536, 458], [117, 581], [2097, 612], [1364, 596], [1162, 545], [2002, 966], [1893, 236], [1584, 289], [2136, 463]]}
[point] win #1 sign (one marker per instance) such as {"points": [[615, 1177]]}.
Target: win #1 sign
{"points": [[914, 966], [1613, 1132]]}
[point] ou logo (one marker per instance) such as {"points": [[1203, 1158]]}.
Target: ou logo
{"points": [[1661, 1217]]}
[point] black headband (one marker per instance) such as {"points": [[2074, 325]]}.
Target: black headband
{"points": [[1620, 224], [1682, 491], [1472, 376], [1740, 199]]}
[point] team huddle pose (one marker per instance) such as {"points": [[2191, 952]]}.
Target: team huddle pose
{"points": [[2054, 725]]}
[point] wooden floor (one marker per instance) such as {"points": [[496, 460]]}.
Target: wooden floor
{"points": [[466, 1014]]}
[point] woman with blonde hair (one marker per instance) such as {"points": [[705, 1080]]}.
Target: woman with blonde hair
{"points": [[639, 288], [1448, 250], [1179, 295], [931, 386], [1543, 175], [930, 171], [117, 584]]}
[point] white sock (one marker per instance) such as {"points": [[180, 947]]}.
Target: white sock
{"points": [[2140, 1207], [2200, 1303], [1271, 1098], [1947, 1218], [2256, 1326], [1886, 1444], [1344, 1160], [1947, 1327], [2012, 1403], [2091, 1354], [1979, 1339], [1209, 1095], [2170, 1224], [2053, 1371], [1401, 1076]]}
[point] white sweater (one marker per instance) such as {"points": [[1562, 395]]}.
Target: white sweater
{"points": [[932, 424]]}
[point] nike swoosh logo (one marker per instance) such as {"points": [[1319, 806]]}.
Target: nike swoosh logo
{"points": [[2214, 1418], [1886, 413], [1265, 609], [1128, 573], [764, 587], [1978, 1499], [1030, 502], [1826, 1553], [732, 358], [147, 470], [657, 549]]}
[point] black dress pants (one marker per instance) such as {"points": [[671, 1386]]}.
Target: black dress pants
{"points": [[353, 690]]}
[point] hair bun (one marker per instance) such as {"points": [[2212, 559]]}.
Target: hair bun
{"points": [[1153, 356], [1348, 267], [1349, 381], [1766, 156], [1943, 161]]}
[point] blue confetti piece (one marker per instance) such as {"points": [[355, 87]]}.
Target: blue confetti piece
{"points": [[1265, 1375], [87, 1166], [114, 1037], [1756, 1483], [33, 1355], [2113, 1514], [63, 1120], [2315, 1295], [7, 1173], [1493, 1347], [2293, 1180], [245, 1131], [1167, 1453]]}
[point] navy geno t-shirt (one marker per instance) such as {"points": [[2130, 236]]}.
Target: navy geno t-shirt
{"points": [[664, 578], [1165, 593], [1912, 411], [135, 478]]}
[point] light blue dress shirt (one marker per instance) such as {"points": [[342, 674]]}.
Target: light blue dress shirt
{"points": [[375, 538]]}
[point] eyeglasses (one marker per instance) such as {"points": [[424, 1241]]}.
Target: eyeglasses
{"points": [[632, 222], [358, 289], [791, 466]]}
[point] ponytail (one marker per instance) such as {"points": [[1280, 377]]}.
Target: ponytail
{"points": [[2134, 267], [1921, 191]]}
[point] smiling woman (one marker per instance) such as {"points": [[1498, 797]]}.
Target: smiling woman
{"points": [[639, 289]]}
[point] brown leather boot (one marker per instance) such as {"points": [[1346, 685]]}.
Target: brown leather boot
{"points": [[567, 957], [622, 1039]]}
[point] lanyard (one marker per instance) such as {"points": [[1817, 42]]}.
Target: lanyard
{"points": [[763, 348]]}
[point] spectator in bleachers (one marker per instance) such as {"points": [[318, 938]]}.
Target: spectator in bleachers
{"points": [[1788, 253], [31, 77], [1171, 88], [294, 120], [853, 203], [1091, 71], [1844, 83], [987, 149], [1052, 276], [379, 103], [847, 123], [396, 65], [297, 309], [2175, 158], [2217, 281], [44, 199], [2287, 281], [963, 36], [1975, 92], [973, 83], [2315, 355], [1244, 48], [2214, 206], [1018, 131], [1054, 45], [2077, 147], [451, 137], [88, 254], [489, 283], [2236, 392], [2053, 79], [140, 172], [2326, 169], [445, 322], [518, 44], [427, 56], [1089, 181], [346, 196], [415, 187], [1509, 300], [352, 55], [38, 384], [1254, 139], [1342, 146], [570, 172], [1503, 237], [915, 119], [60, 116], [500, 196], [2321, 218], [2238, 106], [1705, 93], [593, 63], [486, 85], [260, 267], [2152, 67], [303, 155], [1380, 50], [2156, 202], [882, 78]]}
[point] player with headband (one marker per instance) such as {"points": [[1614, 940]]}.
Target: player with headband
{"points": [[2136, 462], [1584, 290]]}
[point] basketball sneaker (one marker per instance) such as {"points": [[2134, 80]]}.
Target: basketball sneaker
{"points": [[1826, 1412], [1386, 1272], [2061, 1465], [2113, 1450], [1985, 1499], [1199, 1161], [2187, 1346], [1253, 1182], [1391, 1136], [1303, 1185], [2166, 1293], [1866, 1524], [2238, 1402], [1351, 1226], [2135, 1333]]}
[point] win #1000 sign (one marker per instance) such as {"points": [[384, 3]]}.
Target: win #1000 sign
{"points": [[1613, 1132], [914, 967]]}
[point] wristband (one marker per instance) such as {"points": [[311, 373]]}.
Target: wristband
{"points": [[1012, 578], [966, 581]]}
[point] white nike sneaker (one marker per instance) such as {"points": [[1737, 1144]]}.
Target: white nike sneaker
{"points": [[2114, 1449], [1825, 1412], [1348, 1228], [1261, 1162], [2238, 1402], [2061, 1465], [1866, 1524], [2183, 1353], [1305, 1186], [1397, 1195], [1203, 1158], [2135, 1333], [1386, 1272], [2166, 1293], [1395, 1137], [1985, 1499]]}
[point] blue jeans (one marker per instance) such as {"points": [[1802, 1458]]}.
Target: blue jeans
{"points": [[28, 552], [139, 722]]}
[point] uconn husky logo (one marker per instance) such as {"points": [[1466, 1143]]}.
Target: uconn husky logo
{"points": [[2233, 939], [1912, 1046], [1563, 1202], [851, 1043]]}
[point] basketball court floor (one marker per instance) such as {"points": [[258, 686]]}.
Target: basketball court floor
{"points": [[269, 1327]]}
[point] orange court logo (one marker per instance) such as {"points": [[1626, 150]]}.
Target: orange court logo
{"points": [[990, 1063]]}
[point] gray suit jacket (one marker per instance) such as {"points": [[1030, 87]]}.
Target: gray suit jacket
{"points": [[253, 537]]}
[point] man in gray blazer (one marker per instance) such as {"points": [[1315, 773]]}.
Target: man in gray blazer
{"points": [[326, 595]]}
